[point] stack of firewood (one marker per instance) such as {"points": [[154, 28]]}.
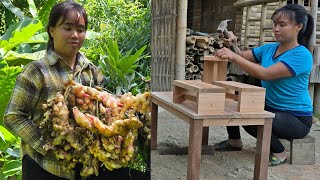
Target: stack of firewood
{"points": [[199, 45]]}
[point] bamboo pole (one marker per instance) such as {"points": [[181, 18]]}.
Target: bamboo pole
{"points": [[247, 28], [181, 39], [263, 23], [313, 12], [312, 44], [252, 3]]}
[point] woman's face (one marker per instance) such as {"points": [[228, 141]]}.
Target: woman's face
{"points": [[68, 36], [285, 30]]}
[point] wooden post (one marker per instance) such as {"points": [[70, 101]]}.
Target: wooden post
{"points": [[312, 43], [154, 125], [263, 23], [316, 104], [313, 12], [241, 4], [181, 39], [247, 28]]}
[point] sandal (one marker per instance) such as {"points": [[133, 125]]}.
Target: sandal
{"points": [[225, 146], [274, 161]]}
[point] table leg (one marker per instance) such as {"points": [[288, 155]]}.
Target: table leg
{"points": [[154, 125], [205, 136], [262, 151], [194, 151]]}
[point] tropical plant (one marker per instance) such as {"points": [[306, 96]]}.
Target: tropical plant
{"points": [[119, 69], [10, 162], [18, 45]]}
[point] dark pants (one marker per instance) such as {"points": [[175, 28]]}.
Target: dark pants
{"points": [[32, 171], [284, 126]]}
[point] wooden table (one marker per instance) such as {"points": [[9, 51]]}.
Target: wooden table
{"points": [[197, 122]]}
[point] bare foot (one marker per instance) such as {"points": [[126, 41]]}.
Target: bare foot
{"points": [[281, 156]]}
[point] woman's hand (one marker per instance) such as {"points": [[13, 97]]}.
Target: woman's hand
{"points": [[226, 54], [232, 40]]}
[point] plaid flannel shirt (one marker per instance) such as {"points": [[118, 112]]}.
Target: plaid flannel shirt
{"points": [[39, 81]]}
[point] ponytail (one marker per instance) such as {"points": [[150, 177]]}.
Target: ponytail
{"points": [[306, 32]]}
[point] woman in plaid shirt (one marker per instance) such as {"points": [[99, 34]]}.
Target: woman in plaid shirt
{"points": [[41, 80]]}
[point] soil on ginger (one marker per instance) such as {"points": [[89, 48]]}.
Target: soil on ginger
{"points": [[173, 132]]}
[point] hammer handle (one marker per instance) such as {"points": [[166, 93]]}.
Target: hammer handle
{"points": [[227, 36], [226, 33]]}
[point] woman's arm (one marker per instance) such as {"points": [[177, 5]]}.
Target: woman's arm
{"points": [[19, 111], [276, 71]]}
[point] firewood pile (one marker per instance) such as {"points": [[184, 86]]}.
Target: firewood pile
{"points": [[198, 45]]}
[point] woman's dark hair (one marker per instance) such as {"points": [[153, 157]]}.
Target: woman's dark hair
{"points": [[298, 14], [62, 10]]}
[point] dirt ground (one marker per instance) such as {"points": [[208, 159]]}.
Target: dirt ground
{"points": [[173, 132]]}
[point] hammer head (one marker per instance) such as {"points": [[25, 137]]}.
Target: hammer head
{"points": [[223, 25]]}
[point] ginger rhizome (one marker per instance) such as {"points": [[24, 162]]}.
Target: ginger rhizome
{"points": [[95, 128]]}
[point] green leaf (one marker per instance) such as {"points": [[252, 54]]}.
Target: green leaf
{"points": [[20, 36], [32, 9], [14, 58], [7, 135], [12, 167], [8, 77], [3, 63], [13, 9], [45, 11], [128, 63], [92, 35], [17, 27], [2, 137], [39, 38]]}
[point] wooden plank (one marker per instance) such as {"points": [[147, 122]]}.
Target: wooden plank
{"points": [[239, 86], [262, 151], [232, 96], [154, 125], [194, 151], [233, 122], [251, 101], [241, 4], [213, 58], [209, 103], [198, 86], [205, 136], [164, 99], [176, 112], [178, 94]]}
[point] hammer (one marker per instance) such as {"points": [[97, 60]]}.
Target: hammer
{"points": [[223, 28]]}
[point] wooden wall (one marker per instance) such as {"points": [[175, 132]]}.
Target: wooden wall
{"points": [[163, 39]]}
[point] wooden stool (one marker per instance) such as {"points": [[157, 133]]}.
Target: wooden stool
{"points": [[208, 98], [250, 98], [302, 151]]}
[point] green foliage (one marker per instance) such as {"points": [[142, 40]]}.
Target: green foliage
{"points": [[119, 69], [10, 162], [7, 80], [127, 21], [20, 36]]}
